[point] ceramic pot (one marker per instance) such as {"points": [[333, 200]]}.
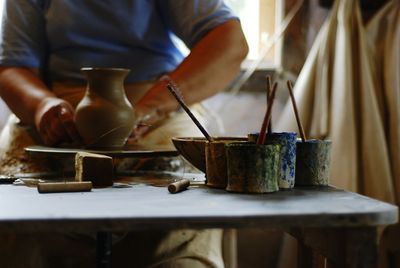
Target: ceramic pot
{"points": [[313, 162], [253, 168], [287, 141], [216, 167], [105, 117]]}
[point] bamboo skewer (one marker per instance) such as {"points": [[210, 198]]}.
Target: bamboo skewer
{"points": [[269, 86], [300, 126], [267, 117], [174, 91]]}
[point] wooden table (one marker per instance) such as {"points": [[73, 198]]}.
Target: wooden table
{"points": [[338, 224]]}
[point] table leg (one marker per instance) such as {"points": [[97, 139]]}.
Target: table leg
{"points": [[308, 258], [361, 247], [342, 247], [103, 249], [304, 255]]}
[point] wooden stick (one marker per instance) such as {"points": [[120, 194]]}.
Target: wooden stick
{"points": [[267, 117], [300, 126], [178, 186], [173, 91], [70, 186], [269, 86]]}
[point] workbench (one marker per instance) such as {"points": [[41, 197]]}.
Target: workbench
{"points": [[338, 224]]}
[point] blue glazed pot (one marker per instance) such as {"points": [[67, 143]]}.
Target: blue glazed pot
{"points": [[287, 141]]}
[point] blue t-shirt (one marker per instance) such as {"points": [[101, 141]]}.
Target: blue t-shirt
{"points": [[61, 36]]}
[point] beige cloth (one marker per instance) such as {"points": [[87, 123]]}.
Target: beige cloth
{"points": [[177, 248], [349, 91], [384, 36], [341, 97], [156, 249]]}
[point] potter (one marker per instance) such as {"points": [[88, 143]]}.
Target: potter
{"points": [[60, 37]]}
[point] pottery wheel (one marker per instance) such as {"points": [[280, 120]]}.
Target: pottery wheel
{"points": [[130, 151]]}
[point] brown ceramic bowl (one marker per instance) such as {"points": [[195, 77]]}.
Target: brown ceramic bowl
{"points": [[193, 149]]}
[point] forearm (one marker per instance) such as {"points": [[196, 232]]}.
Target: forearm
{"points": [[209, 68], [23, 91], [213, 63]]}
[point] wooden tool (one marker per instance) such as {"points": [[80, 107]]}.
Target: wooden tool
{"points": [[69, 186], [300, 126], [178, 186], [174, 92], [269, 87], [267, 117]]}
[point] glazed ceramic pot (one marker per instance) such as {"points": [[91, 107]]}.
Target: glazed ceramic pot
{"points": [[105, 117], [313, 162], [253, 168], [216, 166], [287, 141]]}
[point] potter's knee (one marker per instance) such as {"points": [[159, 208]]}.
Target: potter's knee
{"points": [[185, 263]]}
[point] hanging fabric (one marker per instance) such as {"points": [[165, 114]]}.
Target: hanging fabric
{"points": [[384, 37], [340, 97]]}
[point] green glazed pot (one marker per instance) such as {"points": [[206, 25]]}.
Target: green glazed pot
{"points": [[287, 141], [253, 168]]}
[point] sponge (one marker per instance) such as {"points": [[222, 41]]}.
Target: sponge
{"points": [[96, 168]]}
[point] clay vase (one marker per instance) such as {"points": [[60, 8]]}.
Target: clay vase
{"points": [[104, 117]]}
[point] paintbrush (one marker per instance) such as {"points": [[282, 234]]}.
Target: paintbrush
{"points": [[269, 86], [300, 126], [267, 117], [174, 91]]}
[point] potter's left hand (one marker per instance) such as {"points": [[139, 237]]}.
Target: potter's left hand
{"points": [[54, 120]]}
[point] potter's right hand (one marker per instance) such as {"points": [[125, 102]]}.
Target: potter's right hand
{"points": [[145, 122], [54, 120]]}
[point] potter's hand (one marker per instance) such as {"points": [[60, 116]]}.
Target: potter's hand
{"points": [[54, 120], [146, 122]]}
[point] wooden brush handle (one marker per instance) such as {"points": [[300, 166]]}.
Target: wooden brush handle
{"points": [[70, 186], [178, 186], [296, 112], [267, 117]]}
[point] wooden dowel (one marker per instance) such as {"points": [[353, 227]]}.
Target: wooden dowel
{"points": [[269, 86], [300, 126], [69, 186], [178, 186], [173, 91], [267, 117]]}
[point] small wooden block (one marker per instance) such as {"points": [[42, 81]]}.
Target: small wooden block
{"points": [[70, 186], [96, 168]]}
